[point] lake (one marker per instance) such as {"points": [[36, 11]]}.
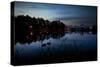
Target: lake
{"points": [[74, 46]]}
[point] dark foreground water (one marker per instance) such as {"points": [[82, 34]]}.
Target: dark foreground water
{"points": [[70, 47]]}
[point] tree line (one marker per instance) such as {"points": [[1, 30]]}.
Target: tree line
{"points": [[28, 28]]}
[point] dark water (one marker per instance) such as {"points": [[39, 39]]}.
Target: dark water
{"points": [[70, 47]]}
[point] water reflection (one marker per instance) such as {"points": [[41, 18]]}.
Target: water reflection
{"points": [[43, 36], [40, 37], [69, 46]]}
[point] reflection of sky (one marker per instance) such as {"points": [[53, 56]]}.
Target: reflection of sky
{"points": [[69, 14], [68, 43]]}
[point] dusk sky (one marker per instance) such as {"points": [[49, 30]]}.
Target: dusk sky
{"points": [[68, 14]]}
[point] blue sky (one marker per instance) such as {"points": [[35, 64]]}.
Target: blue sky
{"points": [[68, 14]]}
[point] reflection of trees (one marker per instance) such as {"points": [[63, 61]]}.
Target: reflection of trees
{"points": [[40, 37]]}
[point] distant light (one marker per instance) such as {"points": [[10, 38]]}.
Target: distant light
{"points": [[31, 33], [30, 26]]}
